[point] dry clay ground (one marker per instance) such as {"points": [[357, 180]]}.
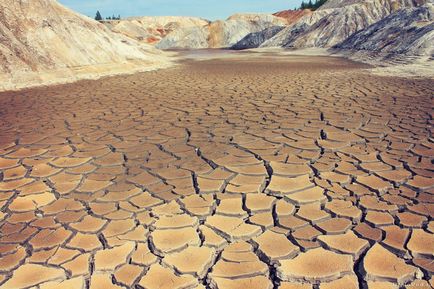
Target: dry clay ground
{"points": [[289, 173]]}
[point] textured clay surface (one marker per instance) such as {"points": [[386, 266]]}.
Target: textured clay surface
{"points": [[257, 172]]}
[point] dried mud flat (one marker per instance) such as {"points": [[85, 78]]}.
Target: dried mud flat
{"points": [[250, 173]]}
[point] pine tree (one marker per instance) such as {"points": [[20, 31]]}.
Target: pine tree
{"points": [[98, 16], [312, 5]]}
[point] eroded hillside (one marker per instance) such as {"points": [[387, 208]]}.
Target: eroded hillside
{"points": [[42, 41]]}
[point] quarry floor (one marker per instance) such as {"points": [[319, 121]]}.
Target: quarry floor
{"points": [[249, 172]]}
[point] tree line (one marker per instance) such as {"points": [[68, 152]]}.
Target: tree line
{"points": [[98, 17], [312, 5]]}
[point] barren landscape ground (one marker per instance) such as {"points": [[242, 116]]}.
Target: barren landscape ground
{"points": [[262, 172]]}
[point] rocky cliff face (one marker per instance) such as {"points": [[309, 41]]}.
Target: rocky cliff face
{"points": [[219, 34], [42, 41], [151, 29], [336, 21], [409, 31]]}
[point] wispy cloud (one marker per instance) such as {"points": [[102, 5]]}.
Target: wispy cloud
{"points": [[211, 9]]}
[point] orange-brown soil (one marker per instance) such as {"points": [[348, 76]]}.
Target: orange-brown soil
{"points": [[238, 173]]}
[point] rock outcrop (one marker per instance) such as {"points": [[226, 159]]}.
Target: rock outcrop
{"points": [[151, 29], [335, 21], [219, 34], [42, 42], [409, 31]]}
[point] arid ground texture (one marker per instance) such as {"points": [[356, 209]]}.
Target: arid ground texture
{"points": [[261, 172]]}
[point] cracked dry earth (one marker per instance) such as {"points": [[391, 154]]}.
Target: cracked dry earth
{"points": [[281, 173]]}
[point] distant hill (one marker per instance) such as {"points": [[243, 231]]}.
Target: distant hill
{"points": [[220, 33], [151, 29]]}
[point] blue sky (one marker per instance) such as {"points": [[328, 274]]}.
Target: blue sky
{"points": [[210, 9]]}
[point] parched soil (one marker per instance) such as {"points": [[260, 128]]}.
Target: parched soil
{"points": [[251, 172]]}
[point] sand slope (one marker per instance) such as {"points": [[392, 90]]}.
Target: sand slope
{"points": [[408, 31], [335, 22], [44, 42]]}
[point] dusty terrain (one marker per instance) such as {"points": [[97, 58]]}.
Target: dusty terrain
{"points": [[293, 172]]}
